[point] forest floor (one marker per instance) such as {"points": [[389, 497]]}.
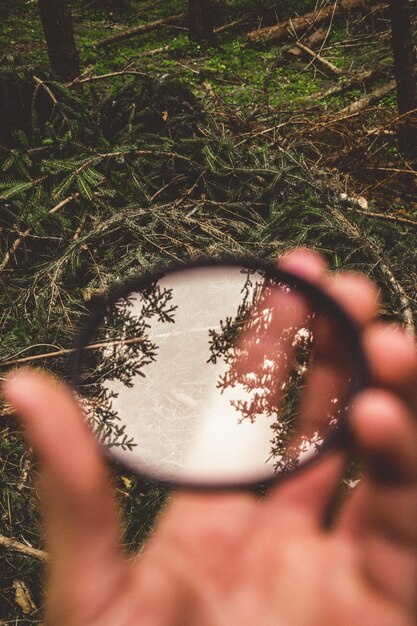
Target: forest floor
{"points": [[236, 149], [273, 92]]}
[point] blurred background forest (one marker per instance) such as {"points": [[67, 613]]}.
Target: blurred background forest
{"points": [[135, 131]]}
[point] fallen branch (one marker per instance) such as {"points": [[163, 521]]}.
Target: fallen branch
{"points": [[354, 81], [299, 25], [80, 227], [314, 41], [396, 170], [93, 79], [138, 30], [18, 546], [13, 249], [153, 51], [317, 57], [371, 98]]}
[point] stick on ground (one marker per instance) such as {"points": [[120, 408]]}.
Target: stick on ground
{"points": [[18, 546], [138, 30]]}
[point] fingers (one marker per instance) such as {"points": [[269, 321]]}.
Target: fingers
{"points": [[392, 357], [327, 381], [381, 517], [305, 263], [385, 424], [386, 434], [208, 518], [80, 517], [313, 489], [309, 495]]}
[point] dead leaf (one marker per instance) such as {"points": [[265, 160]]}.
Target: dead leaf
{"points": [[209, 88], [23, 597], [165, 115], [127, 482]]}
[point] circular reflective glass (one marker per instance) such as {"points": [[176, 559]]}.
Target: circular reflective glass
{"points": [[218, 375]]}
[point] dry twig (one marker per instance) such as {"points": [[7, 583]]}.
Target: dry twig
{"points": [[397, 219], [317, 57], [371, 98], [18, 546], [357, 79], [93, 79], [138, 30]]}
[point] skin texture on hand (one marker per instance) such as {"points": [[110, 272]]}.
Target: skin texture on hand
{"points": [[228, 559]]}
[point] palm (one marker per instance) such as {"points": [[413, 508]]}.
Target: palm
{"points": [[236, 560], [230, 559]]}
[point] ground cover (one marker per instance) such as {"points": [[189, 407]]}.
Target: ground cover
{"points": [[179, 152]]}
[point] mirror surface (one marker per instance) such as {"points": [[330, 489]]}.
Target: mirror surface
{"points": [[216, 375]]}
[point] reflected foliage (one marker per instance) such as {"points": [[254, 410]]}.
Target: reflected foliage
{"points": [[121, 351]]}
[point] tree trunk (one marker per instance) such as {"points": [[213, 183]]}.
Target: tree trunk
{"points": [[57, 26], [405, 75], [200, 21]]}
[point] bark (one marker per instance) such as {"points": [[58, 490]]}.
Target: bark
{"points": [[405, 74], [57, 26], [200, 21], [299, 25]]}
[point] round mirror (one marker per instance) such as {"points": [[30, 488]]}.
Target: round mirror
{"points": [[218, 375]]}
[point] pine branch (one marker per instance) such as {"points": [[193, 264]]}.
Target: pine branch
{"points": [[18, 242], [46, 88], [64, 351]]}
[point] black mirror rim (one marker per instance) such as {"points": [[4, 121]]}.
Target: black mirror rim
{"points": [[337, 437]]}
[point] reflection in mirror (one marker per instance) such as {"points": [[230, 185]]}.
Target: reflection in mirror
{"points": [[205, 376]]}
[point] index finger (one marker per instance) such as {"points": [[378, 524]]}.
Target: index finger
{"points": [[81, 522]]}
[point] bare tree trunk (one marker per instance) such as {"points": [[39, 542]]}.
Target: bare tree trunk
{"points": [[405, 75], [200, 21], [57, 26]]}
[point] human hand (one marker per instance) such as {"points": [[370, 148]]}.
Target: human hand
{"points": [[221, 560]]}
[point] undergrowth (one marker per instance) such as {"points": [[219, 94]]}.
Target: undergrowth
{"points": [[103, 179]]}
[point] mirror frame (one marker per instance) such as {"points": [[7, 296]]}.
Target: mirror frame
{"points": [[338, 437]]}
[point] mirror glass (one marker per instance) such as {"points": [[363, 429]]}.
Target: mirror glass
{"points": [[216, 375]]}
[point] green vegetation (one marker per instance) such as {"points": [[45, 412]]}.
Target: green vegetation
{"points": [[198, 151]]}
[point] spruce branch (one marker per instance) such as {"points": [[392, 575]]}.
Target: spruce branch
{"points": [[64, 351], [93, 79], [18, 242], [47, 89]]}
